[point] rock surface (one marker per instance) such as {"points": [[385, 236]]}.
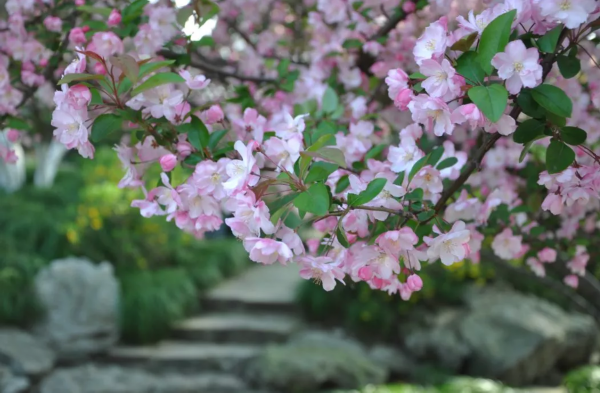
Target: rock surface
{"points": [[22, 353], [11, 383], [81, 302], [505, 335], [113, 379], [314, 360]]}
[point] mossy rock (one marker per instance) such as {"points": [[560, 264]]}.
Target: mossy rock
{"points": [[310, 365]]}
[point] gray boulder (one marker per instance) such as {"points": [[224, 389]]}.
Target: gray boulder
{"points": [[23, 354], [314, 360], [81, 302], [437, 340], [112, 379], [518, 338], [11, 383]]}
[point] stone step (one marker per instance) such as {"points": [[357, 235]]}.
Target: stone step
{"points": [[184, 356], [262, 288], [254, 328]]}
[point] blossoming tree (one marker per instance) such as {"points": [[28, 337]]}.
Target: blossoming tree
{"points": [[282, 129]]}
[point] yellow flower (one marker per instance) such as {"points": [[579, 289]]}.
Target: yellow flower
{"points": [[96, 224], [72, 236]]}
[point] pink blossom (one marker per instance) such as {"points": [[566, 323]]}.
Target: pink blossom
{"points": [[468, 113], [334, 10], [553, 203], [114, 18], [162, 101], [147, 40], [194, 82], [77, 66], [322, 270], [213, 115], [209, 177], [99, 69], [579, 262], [163, 20], [433, 113], [506, 125], [519, 66], [166, 195], [382, 264], [506, 245], [184, 149], [397, 80], [572, 281], [252, 125], [464, 208], [536, 266], [394, 242], [403, 99], [168, 162], [13, 135], [442, 80], [429, 180], [106, 44], [405, 155], [570, 12], [291, 127], [414, 283], [449, 247], [387, 199], [53, 23], [547, 255], [291, 238], [71, 129], [241, 172], [77, 36], [432, 43], [267, 251], [409, 7], [283, 153], [475, 23]]}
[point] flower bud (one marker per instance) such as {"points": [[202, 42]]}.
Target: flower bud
{"points": [[99, 69], [409, 7], [77, 36], [414, 283], [184, 149], [168, 162], [114, 18]]}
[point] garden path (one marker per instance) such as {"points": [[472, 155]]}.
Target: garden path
{"points": [[236, 320]]}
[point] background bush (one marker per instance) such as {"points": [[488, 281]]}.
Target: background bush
{"points": [[161, 269]]}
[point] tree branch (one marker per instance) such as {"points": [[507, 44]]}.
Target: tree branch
{"points": [[209, 68]]}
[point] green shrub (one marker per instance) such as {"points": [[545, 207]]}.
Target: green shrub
{"points": [[583, 380], [152, 300], [19, 304]]}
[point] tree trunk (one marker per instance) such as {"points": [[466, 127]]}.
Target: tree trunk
{"points": [[12, 176], [48, 157]]}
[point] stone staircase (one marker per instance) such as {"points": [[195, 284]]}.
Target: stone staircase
{"points": [[237, 319]]}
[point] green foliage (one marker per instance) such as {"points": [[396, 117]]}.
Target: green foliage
{"points": [[583, 380], [152, 301], [491, 100], [493, 40], [19, 304], [558, 156]]}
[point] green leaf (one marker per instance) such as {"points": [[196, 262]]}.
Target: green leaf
{"points": [[374, 152], [547, 42], [558, 157], [528, 131], [330, 100], [325, 140], [465, 43], [366, 196], [329, 154], [282, 67], [183, 14], [133, 10], [197, 133], [527, 146], [325, 127], [573, 135], [400, 179], [205, 41], [352, 43], [16, 123], [104, 11], [569, 66], [148, 68], [279, 206], [417, 167], [320, 170], [157, 80], [416, 195], [128, 65], [417, 75], [342, 184], [96, 97], [529, 106], [447, 163], [315, 200], [491, 100], [104, 125], [553, 99], [425, 215], [494, 38], [341, 236], [555, 120], [468, 66], [208, 14], [434, 156], [79, 77], [215, 137], [537, 231]]}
